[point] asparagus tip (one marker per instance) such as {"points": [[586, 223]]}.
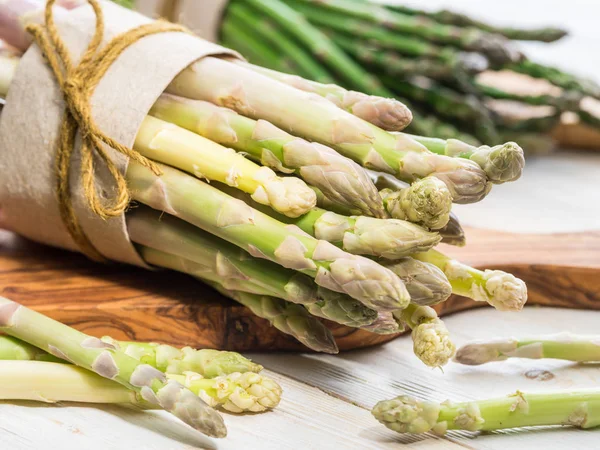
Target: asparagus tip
{"points": [[502, 290], [405, 414], [502, 163], [432, 344], [477, 353]]}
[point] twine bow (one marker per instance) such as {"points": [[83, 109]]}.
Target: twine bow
{"points": [[77, 84]]}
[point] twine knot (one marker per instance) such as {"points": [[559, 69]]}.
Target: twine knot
{"points": [[77, 84]]}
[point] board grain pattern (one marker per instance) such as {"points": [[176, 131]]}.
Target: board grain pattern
{"points": [[135, 304]]}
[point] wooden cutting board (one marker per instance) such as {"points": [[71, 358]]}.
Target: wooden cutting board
{"points": [[130, 303]]}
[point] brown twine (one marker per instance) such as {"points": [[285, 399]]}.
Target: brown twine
{"points": [[77, 84]]}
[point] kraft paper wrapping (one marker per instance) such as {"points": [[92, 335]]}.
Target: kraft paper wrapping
{"points": [[203, 17], [34, 108]]}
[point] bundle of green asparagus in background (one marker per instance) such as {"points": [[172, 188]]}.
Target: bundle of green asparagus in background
{"points": [[295, 199], [462, 78]]}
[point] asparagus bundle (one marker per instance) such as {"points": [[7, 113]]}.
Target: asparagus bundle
{"points": [[257, 237], [431, 59]]}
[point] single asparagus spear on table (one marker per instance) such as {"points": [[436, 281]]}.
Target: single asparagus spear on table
{"points": [[231, 219], [145, 381], [226, 83], [406, 414], [546, 34], [502, 290], [565, 346], [337, 176], [372, 21], [384, 238], [52, 382]]}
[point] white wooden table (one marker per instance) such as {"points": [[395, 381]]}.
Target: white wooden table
{"points": [[327, 398]]}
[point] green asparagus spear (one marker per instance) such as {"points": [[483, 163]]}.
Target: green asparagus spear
{"points": [[502, 290], [255, 50], [386, 113], [548, 34], [191, 250], [329, 305], [288, 318], [427, 202], [51, 382], [501, 163], [453, 233], [228, 84], [426, 283], [384, 324], [215, 212], [406, 414], [372, 21], [255, 29], [384, 238], [565, 346], [319, 45], [557, 77], [166, 358], [339, 177], [109, 362], [431, 340], [448, 103], [167, 143], [395, 64]]}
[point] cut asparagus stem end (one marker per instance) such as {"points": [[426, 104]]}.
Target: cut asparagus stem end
{"points": [[426, 202]]}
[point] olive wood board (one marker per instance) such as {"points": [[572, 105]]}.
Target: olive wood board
{"points": [[134, 304]]}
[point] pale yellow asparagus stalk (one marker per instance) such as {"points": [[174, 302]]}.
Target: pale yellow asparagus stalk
{"points": [[338, 177], [51, 382]]}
